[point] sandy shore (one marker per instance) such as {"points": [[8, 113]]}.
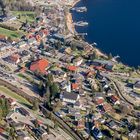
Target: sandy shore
{"points": [[69, 19], [70, 24]]}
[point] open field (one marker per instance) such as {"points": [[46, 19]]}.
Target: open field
{"points": [[12, 94], [24, 15], [10, 33]]}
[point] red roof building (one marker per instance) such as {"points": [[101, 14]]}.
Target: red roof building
{"points": [[39, 66], [100, 101], [107, 107], [14, 58], [75, 86], [72, 68]]}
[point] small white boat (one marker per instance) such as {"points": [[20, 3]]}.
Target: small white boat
{"points": [[81, 23]]}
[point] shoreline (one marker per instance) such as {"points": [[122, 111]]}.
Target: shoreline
{"points": [[71, 28], [69, 19]]}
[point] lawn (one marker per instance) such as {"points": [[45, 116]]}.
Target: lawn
{"points": [[25, 15], [9, 33], [12, 94]]}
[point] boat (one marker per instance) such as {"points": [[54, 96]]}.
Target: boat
{"points": [[81, 23], [94, 43], [79, 9]]}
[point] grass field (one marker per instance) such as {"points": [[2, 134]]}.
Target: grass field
{"points": [[25, 15], [12, 94], [10, 33]]}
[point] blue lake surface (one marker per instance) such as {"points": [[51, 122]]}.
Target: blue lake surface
{"points": [[114, 25]]}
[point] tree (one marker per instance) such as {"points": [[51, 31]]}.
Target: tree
{"points": [[4, 104], [54, 89], [115, 136], [93, 56], [36, 124], [35, 105], [47, 97], [9, 39], [58, 45], [49, 80], [110, 56], [41, 87], [73, 47], [12, 134], [1, 113], [57, 107], [41, 44]]}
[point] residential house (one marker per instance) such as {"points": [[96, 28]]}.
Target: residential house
{"points": [[72, 68], [78, 61], [21, 44], [39, 66], [69, 97], [112, 124], [75, 86], [68, 50], [136, 86], [114, 99], [77, 105], [80, 124], [107, 107], [93, 83], [67, 58], [97, 133], [40, 133], [133, 134], [22, 135], [99, 101], [32, 41], [14, 59]]}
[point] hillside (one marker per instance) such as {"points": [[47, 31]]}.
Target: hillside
{"points": [[15, 5]]}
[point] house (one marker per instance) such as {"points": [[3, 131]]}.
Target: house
{"points": [[112, 124], [78, 61], [59, 73], [39, 66], [22, 111], [72, 68], [68, 50], [107, 107], [41, 133], [136, 86], [7, 18], [97, 133], [14, 59], [67, 58], [32, 41], [80, 124], [78, 105], [114, 99], [85, 134], [21, 44], [18, 125], [90, 74], [59, 37], [22, 135], [99, 101], [93, 83], [133, 134], [109, 66], [75, 86], [69, 97], [11, 101]]}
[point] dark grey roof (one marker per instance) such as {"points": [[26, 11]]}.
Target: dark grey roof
{"points": [[77, 103], [71, 96], [137, 84]]}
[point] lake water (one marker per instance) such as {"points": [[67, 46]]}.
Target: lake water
{"points": [[114, 25]]}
